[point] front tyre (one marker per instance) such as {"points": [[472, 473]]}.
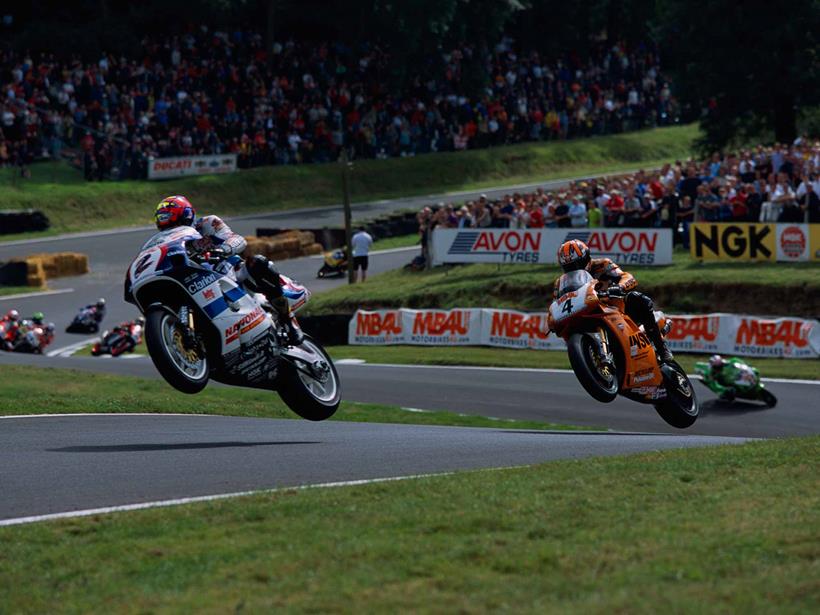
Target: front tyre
{"points": [[680, 408], [183, 367], [768, 398], [312, 392], [599, 380]]}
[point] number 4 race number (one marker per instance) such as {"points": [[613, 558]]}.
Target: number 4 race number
{"points": [[567, 309]]}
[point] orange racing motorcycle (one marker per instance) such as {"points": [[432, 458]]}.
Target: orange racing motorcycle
{"points": [[612, 355]]}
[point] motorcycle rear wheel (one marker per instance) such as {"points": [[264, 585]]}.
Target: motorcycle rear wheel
{"points": [[184, 369], [602, 386], [681, 407], [308, 396]]}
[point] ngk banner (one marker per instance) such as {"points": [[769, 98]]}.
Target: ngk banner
{"points": [[623, 245], [511, 329], [729, 334], [165, 168], [723, 241]]}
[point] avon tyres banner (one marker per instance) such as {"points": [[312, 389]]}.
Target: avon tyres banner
{"points": [[729, 334], [165, 168], [623, 245]]}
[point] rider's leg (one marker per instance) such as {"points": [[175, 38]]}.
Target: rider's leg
{"points": [[263, 275], [641, 309]]}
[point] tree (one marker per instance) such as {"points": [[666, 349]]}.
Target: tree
{"points": [[749, 65]]}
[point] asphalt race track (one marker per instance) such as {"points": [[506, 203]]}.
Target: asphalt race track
{"points": [[549, 396], [59, 464]]}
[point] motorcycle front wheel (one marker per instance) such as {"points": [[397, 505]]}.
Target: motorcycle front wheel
{"points": [[311, 391], [184, 368], [598, 380], [768, 398]]}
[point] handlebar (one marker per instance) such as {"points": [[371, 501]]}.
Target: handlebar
{"points": [[211, 255]]}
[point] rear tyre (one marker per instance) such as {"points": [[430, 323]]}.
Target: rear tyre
{"points": [[600, 382], [185, 369], [768, 398], [681, 407], [313, 396]]}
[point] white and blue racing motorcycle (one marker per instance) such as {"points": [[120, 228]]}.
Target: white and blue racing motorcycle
{"points": [[201, 324]]}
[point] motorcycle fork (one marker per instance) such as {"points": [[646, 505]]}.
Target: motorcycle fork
{"points": [[601, 337]]}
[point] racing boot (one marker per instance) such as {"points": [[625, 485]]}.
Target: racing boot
{"points": [[264, 276], [280, 304], [661, 349]]}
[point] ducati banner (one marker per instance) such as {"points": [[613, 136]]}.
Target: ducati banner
{"points": [[728, 334], [623, 245], [165, 168]]}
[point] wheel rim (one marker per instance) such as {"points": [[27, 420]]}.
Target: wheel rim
{"points": [[681, 389], [321, 382], [185, 359], [603, 373]]}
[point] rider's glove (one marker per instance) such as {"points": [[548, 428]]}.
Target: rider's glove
{"points": [[615, 292]]}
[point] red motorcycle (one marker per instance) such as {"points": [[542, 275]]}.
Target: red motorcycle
{"points": [[121, 339]]}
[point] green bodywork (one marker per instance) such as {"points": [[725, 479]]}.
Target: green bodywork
{"points": [[736, 377]]}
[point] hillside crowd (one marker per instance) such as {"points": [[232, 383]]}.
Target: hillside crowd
{"points": [[766, 184], [208, 92]]}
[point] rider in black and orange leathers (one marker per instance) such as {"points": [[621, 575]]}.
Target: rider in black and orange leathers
{"points": [[574, 255]]}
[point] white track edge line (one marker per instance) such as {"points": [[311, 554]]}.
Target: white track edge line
{"points": [[125, 414], [44, 293], [535, 370], [206, 498], [68, 350]]}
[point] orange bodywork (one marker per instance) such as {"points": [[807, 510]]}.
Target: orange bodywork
{"points": [[641, 372]]}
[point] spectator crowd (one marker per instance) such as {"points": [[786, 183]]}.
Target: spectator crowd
{"points": [[763, 184], [209, 92]]}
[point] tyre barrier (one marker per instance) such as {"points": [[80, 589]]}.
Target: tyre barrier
{"points": [[22, 221], [290, 244], [41, 267], [391, 225]]}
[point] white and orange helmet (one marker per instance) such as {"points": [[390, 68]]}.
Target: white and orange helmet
{"points": [[573, 255]]}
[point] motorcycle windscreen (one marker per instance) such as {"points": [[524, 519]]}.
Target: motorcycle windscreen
{"points": [[572, 281]]}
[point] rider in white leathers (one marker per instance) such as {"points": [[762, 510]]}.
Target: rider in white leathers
{"points": [[258, 274]]}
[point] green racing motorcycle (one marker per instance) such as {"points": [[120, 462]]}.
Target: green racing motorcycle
{"points": [[736, 379]]}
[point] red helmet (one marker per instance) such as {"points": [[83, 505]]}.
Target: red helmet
{"points": [[573, 255], [13, 315], [174, 211]]}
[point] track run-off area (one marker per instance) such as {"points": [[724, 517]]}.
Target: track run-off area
{"points": [[63, 465]]}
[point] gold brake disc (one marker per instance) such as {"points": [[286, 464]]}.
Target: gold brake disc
{"points": [[189, 354]]}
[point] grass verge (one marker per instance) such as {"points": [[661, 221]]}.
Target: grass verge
{"points": [[685, 285], [19, 290], [730, 528], [539, 359], [73, 204], [70, 391]]}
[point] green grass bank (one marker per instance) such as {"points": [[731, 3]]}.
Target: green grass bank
{"points": [[685, 286], [73, 204], [729, 529]]}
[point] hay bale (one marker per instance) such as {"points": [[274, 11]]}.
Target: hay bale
{"points": [[314, 248]]}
